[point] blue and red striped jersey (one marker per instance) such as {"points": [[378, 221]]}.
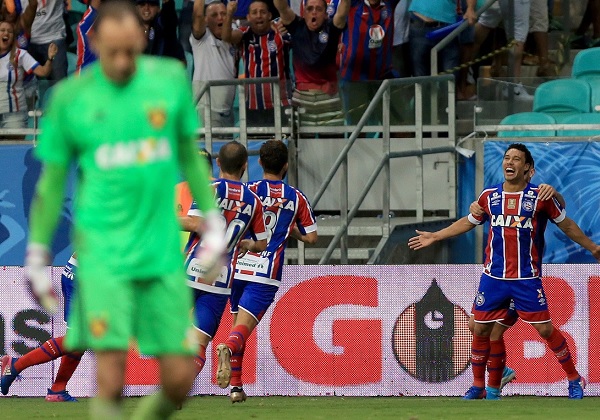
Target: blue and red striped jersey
{"points": [[284, 207], [515, 243], [367, 41], [265, 56], [85, 55], [243, 214]]}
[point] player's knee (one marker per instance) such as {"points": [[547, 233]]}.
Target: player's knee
{"points": [[545, 329]]}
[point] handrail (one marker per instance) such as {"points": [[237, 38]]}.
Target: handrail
{"points": [[452, 35], [366, 189], [363, 120]]}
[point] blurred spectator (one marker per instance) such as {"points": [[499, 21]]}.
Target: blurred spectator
{"points": [[15, 63], [427, 16], [590, 17], [265, 54], [517, 30], [243, 9], [161, 28], [538, 27], [401, 47], [315, 40], [332, 6], [49, 27], [214, 59], [22, 22], [85, 54], [185, 24], [366, 54]]}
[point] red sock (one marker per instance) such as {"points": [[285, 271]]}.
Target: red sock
{"points": [[496, 363], [68, 364], [236, 368], [558, 345], [50, 350], [480, 352], [200, 359], [237, 338]]}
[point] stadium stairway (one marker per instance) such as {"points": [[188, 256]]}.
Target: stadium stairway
{"points": [[365, 239]]}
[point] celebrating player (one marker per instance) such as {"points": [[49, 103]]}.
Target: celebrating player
{"points": [[243, 215], [513, 267], [50, 350], [257, 276], [136, 133]]}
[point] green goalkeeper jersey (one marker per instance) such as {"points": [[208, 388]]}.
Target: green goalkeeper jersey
{"points": [[125, 141]]}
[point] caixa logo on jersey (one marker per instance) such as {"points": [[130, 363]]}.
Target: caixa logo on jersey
{"points": [[425, 338], [513, 221]]}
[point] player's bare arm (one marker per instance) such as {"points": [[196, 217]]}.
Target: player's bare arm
{"points": [[285, 11], [252, 246], [310, 238], [574, 232], [191, 224], [46, 69], [424, 239], [341, 14], [233, 36]]}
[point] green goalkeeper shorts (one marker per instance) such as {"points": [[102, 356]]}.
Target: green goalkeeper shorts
{"points": [[109, 311]]}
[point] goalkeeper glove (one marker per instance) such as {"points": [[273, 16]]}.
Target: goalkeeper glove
{"points": [[209, 253], [37, 259]]}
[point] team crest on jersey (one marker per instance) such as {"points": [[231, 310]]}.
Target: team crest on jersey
{"points": [[330, 11], [157, 118], [272, 46], [323, 37], [480, 299], [376, 35], [98, 327], [151, 34], [22, 41], [512, 203], [384, 14], [527, 205]]}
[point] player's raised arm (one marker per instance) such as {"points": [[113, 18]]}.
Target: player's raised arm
{"points": [[229, 34], [574, 232], [424, 239], [198, 19], [341, 14], [285, 11]]}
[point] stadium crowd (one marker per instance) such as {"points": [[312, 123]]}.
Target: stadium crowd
{"points": [[336, 46]]}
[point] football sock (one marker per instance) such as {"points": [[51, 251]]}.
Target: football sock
{"points": [[236, 368], [68, 364], [101, 409], [237, 338], [154, 407], [480, 352], [558, 345], [50, 350], [200, 359], [496, 363]]}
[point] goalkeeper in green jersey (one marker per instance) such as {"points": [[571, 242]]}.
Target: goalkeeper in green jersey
{"points": [[129, 123]]}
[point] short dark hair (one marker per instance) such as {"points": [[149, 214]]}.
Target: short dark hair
{"points": [[265, 2], [117, 10], [273, 156], [232, 157], [522, 148]]}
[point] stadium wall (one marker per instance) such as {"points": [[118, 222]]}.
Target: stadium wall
{"points": [[351, 330]]}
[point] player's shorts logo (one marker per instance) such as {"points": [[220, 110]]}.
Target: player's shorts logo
{"points": [[98, 327], [480, 299], [376, 35]]}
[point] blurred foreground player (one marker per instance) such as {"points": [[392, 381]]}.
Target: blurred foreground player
{"points": [[129, 123], [50, 350]]}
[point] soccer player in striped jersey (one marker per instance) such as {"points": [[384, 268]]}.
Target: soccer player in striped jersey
{"points": [[50, 350], [258, 275], [242, 212], [265, 54], [513, 264]]}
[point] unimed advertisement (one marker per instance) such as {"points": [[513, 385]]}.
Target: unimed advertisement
{"points": [[351, 330]]}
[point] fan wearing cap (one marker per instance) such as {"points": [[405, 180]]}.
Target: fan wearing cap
{"points": [[161, 28]]}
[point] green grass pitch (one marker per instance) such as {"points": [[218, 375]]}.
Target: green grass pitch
{"points": [[344, 408]]}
